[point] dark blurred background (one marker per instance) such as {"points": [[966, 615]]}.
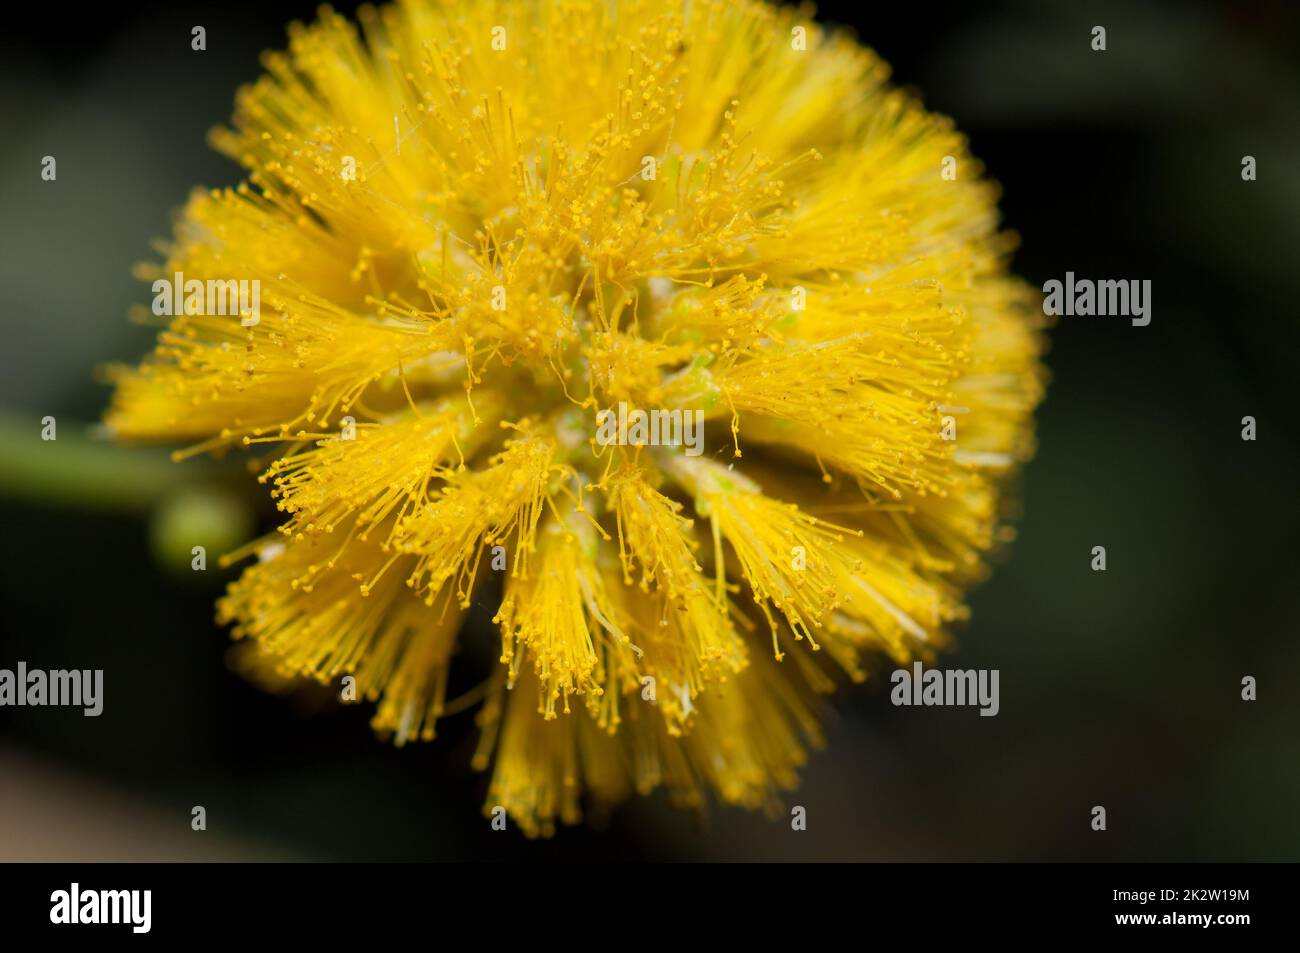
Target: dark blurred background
{"points": [[1119, 688]]}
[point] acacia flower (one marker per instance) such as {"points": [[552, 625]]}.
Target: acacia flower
{"points": [[475, 226]]}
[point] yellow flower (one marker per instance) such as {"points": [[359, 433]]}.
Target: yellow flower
{"points": [[475, 228]]}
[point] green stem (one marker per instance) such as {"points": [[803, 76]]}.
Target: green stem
{"points": [[81, 470]]}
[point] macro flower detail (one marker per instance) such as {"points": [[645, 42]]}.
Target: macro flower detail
{"points": [[474, 227]]}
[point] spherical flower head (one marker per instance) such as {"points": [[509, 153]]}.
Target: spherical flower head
{"points": [[669, 334]]}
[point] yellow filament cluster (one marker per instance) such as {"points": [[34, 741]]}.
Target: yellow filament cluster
{"points": [[476, 225]]}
